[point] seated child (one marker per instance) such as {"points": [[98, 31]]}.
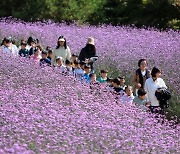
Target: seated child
{"points": [[69, 68], [59, 64], [44, 60], [141, 99], [103, 78], [87, 69], [68, 65], [116, 85], [122, 82], [94, 84], [36, 56], [73, 58], [92, 78], [128, 96], [77, 70], [32, 47], [23, 52], [49, 54]]}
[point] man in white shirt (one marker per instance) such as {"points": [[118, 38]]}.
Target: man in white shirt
{"points": [[151, 85]]}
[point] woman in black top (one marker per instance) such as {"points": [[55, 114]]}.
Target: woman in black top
{"points": [[88, 52]]}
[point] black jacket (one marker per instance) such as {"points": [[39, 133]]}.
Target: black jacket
{"points": [[87, 52], [163, 96]]}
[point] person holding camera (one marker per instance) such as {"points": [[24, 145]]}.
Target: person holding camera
{"points": [[88, 53], [152, 86]]}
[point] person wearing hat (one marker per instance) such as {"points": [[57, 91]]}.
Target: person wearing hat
{"points": [[62, 50], [88, 52], [103, 77], [151, 85]]}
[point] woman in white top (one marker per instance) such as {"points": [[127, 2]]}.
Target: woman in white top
{"points": [[62, 50], [151, 85]]}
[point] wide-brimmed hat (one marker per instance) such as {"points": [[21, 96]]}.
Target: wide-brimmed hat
{"points": [[90, 40]]}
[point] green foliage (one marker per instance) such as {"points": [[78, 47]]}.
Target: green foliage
{"points": [[155, 13]]}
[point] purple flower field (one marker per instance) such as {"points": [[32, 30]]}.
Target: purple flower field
{"points": [[43, 111]]}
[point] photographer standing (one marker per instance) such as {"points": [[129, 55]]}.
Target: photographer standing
{"points": [[88, 53]]}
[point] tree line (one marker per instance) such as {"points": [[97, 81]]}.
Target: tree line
{"points": [[151, 13]]}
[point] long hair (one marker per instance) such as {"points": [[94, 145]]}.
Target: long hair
{"points": [[65, 46]]}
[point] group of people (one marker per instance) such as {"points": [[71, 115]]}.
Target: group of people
{"points": [[148, 84]]}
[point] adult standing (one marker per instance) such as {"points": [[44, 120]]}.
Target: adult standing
{"points": [[151, 85], [141, 75], [62, 50], [88, 52]]}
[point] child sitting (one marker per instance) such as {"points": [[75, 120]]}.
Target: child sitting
{"points": [[36, 56], [87, 69], [141, 99], [92, 78], [73, 59], [128, 96], [59, 64], [103, 78], [122, 82], [23, 52], [69, 69], [49, 54], [77, 70], [44, 60], [116, 85]]}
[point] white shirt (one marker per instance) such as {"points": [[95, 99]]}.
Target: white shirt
{"points": [[143, 73], [14, 49], [5, 49], [78, 72], [127, 99], [61, 69], [151, 87], [28, 47], [61, 52]]}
